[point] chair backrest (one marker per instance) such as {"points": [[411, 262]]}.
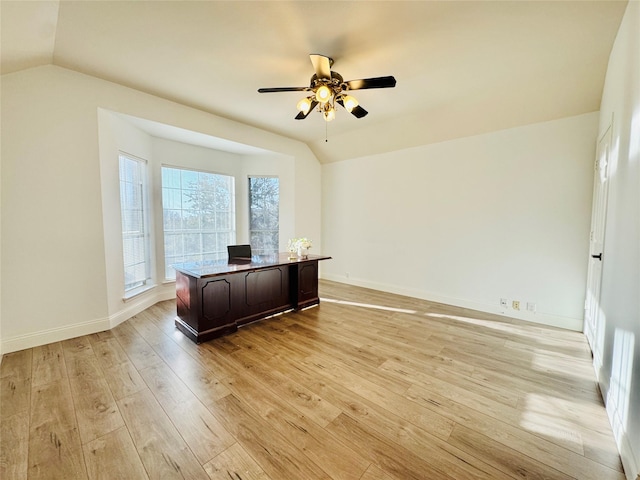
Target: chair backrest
{"points": [[239, 251]]}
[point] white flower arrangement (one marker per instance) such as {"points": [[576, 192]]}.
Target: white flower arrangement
{"points": [[299, 245]]}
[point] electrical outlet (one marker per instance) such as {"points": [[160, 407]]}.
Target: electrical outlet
{"points": [[504, 303], [515, 304], [531, 306]]}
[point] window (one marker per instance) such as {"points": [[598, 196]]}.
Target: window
{"points": [[198, 216], [264, 206], [135, 241]]}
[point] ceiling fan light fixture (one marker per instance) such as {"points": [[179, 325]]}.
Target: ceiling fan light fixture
{"points": [[326, 88], [350, 103], [323, 94], [329, 114], [304, 105]]}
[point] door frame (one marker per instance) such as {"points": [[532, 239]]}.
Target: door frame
{"points": [[593, 319]]}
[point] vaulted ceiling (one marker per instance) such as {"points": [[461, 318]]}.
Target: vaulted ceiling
{"points": [[462, 68]]}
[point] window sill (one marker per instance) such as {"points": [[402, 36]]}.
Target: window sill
{"points": [[130, 295]]}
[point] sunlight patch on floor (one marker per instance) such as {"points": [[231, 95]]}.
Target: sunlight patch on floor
{"points": [[367, 305], [544, 362], [544, 417], [493, 325]]}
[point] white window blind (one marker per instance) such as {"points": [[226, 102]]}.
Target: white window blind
{"points": [[135, 241], [198, 216]]}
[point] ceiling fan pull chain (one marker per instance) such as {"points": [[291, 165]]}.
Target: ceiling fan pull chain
{"points": [[326, 134]]}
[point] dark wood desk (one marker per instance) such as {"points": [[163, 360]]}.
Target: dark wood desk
{"points": [[215, 298]]}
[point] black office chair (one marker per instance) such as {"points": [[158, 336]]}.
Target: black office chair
{"points": [[240, 252]]}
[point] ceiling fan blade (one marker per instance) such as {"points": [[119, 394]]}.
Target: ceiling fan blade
{"points": [[322, 65], [359, 112], [377, 82], [356, 111], [283, 89], [302, 115]]}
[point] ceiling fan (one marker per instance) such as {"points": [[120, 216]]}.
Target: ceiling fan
{"points": [[327, 88]]}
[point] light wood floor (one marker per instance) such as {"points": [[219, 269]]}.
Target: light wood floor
{"points": [[367, 386]]}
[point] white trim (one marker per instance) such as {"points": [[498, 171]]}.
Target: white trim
{"points": [[568, 323], [136, 292], [630, 463], [22, 342], [133, 308]]}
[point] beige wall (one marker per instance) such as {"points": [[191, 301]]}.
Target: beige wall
{"points": [[470, 221]]}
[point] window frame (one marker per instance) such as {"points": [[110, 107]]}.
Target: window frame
{"points": [[142, 165], [232, 231], [250, 230]]}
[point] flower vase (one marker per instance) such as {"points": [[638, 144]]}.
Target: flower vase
{"points": [[303, 252]]}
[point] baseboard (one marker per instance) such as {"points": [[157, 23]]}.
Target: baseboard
{"points": [[30, 340], [142, 303], [630, 463], [22, 342], [568, 323]]}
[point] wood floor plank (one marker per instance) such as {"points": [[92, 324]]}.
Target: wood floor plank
{"points": [[113, 456], [367, 385], [124, 380], [17, 364], [160, 446], [555, 419], [202, 432], [48, 364], [194, 372], [356, 359], [565, 435], [528, 443], [15, 392], [420, 441], [397, 404], [394, 460], [55, 450], [14, 446], [135, 346], [335, 457], [501, 457], [96, 410], [302, 399], [276, 455], [234, 464], [119, 373], [549, 462], [109, 352], [500, 370], [375, 473], [415, 370], [147, 328]]}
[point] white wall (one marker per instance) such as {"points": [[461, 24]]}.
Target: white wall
{"points": [[55, 283], [470, 221], [619, 375], [53, 273]]}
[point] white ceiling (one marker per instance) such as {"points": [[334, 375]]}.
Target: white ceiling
{"points": [[462, 68]]}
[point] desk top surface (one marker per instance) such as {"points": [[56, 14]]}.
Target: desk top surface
{"points": [[209, 268]]}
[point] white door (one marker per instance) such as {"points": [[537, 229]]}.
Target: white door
{"points": [[593, 319]]}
